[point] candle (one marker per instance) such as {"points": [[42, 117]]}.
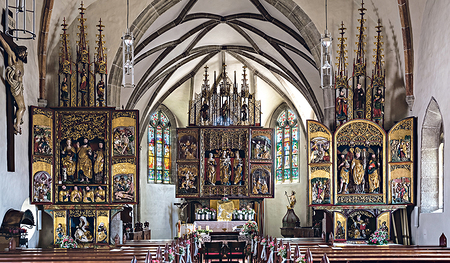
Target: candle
{"points": [[207, 227]]}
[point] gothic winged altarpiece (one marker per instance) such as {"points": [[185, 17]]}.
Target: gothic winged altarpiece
{"points": [[360, 173], [224, 151], [84, 162]]}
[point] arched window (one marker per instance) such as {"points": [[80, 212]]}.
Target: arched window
{"points": [[432, 164], [287, 134], [159, 148]]}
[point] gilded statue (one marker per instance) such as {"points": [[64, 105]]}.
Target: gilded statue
{"points": [[88, 195], [374, 178], [238, 165], [99, 162], [84, 161], [68, 160], [291, 199], [102, 233], [65, 92], [99, 194], [344, 167], [212, 169], [225, 168], [75, 195], [358, 172], [14, 76], [63, 194]]}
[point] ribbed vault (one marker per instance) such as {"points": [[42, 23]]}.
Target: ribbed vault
{"points": [[276, 40]]}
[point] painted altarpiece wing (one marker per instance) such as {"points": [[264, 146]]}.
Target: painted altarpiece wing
{"points": [[124, 177], [261, 145], [319, 163], [102, 227], [42, 144], [59, 224], [188, 144], [360, 154], [401, 142], [384, 221], [188, 180], [340, 226], [261, 180]]}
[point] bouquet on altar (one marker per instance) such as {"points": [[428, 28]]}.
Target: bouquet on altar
{"points": [[249, 228], [379, 237], [66, 242]]}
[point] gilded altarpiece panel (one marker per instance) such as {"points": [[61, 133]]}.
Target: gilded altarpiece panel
{"points": [[59, 224], [224, 162], [384, 221], [42, 145], [319, 163], [360, 170], [401, 158], [82, 156], [340, 226]]}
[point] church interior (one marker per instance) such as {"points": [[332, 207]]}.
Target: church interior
{"points": [[320, 122]]}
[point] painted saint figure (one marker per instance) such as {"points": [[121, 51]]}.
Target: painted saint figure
{"points": [[68, 161], [344, 167], [359, 101], [101, 91], [341, 107], [211, 169], [65, 92], [378, 106], [204, 112], [14, 76], [99, 160], [374, 178], [358, 172], [238, 169], [225, 168], [84, 161]]}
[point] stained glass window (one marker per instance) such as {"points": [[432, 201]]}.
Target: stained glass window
{"points": [[287, 144], [159, 148]]}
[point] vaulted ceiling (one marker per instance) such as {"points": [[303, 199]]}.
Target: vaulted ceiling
{"points": [[194, 34]]}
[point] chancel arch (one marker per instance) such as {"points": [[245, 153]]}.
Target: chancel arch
{"points": [[431, 175]]}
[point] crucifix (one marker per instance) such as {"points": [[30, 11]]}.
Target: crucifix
{"points": [[15, 56]]}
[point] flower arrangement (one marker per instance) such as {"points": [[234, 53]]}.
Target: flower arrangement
{"points": [[263, 241], [282, 251], [66, 242], [181, 250], [250, 227], [171, 255], [225, 199], [300, 259], [379, 237], [271, 245]]}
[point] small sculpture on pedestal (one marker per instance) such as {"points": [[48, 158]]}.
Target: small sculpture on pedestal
{"points": [[290, 220]]}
